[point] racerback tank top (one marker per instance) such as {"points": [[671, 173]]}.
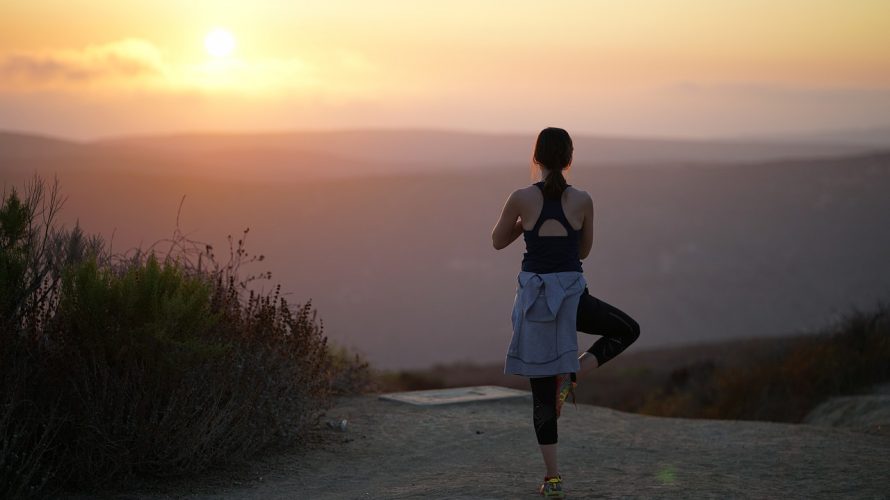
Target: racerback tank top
{"points": [[551, 254]]}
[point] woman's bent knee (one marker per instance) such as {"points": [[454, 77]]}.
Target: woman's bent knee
{"points": [[634, 331]]}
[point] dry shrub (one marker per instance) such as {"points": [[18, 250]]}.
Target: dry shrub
{"points": [[845, 358], [686, 392], [120, 365], [408, 380], [352, 372]]}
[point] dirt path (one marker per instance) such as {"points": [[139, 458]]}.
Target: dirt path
{"points": [[488, 450]]}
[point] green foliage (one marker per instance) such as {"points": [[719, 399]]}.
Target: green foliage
{"points": [[13, 253], [154, 312]]}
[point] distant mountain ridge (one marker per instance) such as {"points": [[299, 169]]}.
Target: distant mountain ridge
{"points": [[876, 137], [472, 149], [24, 144]]}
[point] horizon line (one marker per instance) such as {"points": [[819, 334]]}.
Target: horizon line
{"points": [[804, 135]]}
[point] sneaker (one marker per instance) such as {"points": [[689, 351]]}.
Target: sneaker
{"points": [[565, 385], [552, 487]]}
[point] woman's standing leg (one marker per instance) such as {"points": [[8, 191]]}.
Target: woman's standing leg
{"points": [[544, 418], [618, 330]]}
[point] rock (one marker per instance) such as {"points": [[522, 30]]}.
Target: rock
{"points": [[866, 412]]}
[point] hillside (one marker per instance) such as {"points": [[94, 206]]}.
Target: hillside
{"points": [[400, 264]]}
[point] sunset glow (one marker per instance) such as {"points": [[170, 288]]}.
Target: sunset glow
{"points": [[642, 68]]}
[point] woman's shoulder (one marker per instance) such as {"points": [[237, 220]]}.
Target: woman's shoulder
{"points": [[532, 191], [525, 192], [578, 194]]}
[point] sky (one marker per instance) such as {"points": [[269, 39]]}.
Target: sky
{"points": [[675, 68]]}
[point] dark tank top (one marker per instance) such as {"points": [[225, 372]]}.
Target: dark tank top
{"points": [[551, 254]]}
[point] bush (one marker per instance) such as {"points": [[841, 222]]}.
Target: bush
{"points": [[115, 365], [352, 373], [408, 380], [845, 358]]}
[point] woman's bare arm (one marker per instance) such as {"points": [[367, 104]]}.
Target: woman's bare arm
{"points": [[586, 242], [509, 226]]}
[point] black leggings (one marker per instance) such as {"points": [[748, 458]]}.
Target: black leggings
{"points": [[595, 317]]}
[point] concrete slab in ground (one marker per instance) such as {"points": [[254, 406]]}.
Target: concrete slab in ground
{"points": [[455, 395]]}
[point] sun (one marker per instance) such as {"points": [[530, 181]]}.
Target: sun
{"points": [[219, 42]]}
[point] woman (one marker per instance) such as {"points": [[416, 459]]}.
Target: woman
{"points": [[552, 300]]}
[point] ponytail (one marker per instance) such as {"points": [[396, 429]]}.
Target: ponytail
{"points": [[554, 184], [553, 151]]}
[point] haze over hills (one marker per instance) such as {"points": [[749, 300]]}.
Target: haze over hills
{"points": [[867, 136], [389, 232], [409, 150], [345, 153]]}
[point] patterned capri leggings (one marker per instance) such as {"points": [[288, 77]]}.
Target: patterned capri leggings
{"points": [[595, 317]]}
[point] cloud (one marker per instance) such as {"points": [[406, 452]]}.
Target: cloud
{"points": [[770, 90], [135, 64], [119, 60]]}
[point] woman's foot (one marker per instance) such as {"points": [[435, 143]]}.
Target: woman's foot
{"points": [[552, 487], [565, 385]]}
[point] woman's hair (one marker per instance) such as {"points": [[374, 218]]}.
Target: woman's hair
{"points": [[553, 151]]}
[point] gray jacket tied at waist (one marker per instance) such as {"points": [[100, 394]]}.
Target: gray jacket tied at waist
{"points": [[545, 338]]}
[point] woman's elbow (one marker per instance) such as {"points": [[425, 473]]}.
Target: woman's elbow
{"points": [[498, 243]]}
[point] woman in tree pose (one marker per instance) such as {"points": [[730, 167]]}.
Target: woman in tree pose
{"points": [[552, 300]]}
